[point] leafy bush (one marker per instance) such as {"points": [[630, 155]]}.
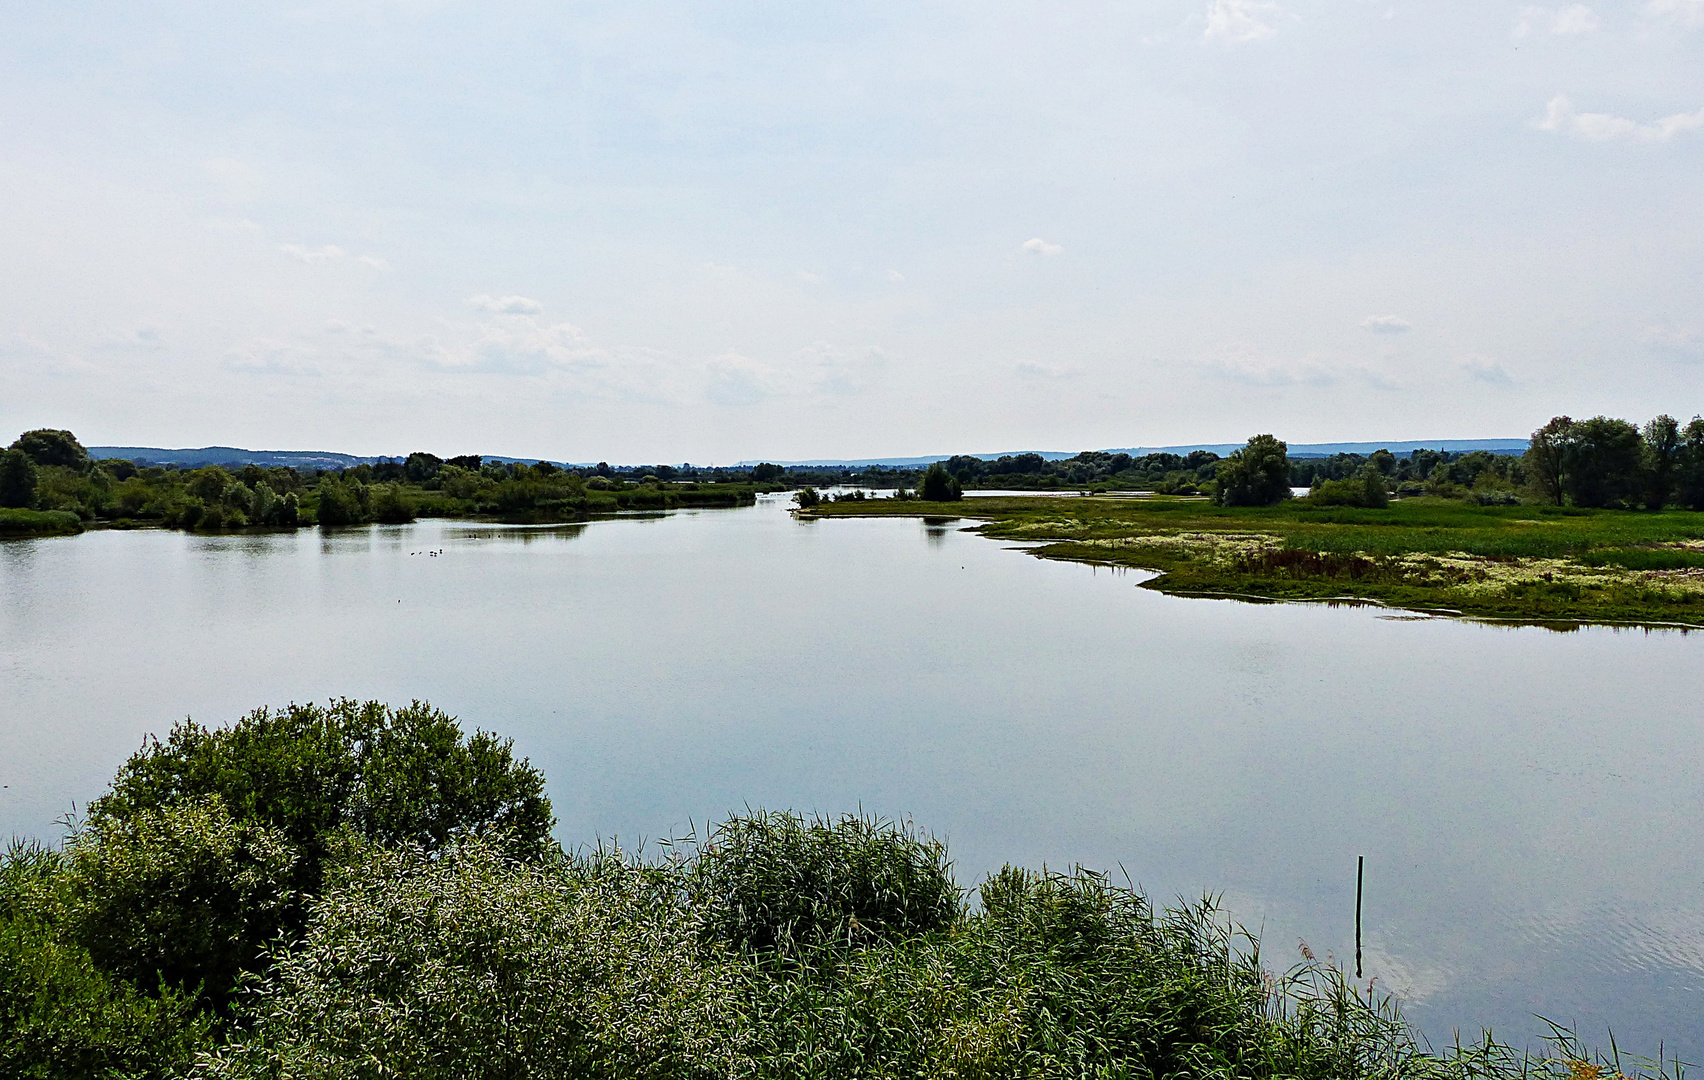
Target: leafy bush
{"points": [[183, 897], [61, 1016], [472, 966], [782, 882], [392, 776], [391, 505], [38, 522], [18, 480], [1367, 490]]}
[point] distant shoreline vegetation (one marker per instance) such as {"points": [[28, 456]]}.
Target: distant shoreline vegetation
{"points": [[1598, 522], [49, 485]]}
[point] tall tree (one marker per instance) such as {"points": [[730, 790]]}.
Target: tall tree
{"points": [[18, 479], [1256, 475], [1547, 457], [939, 485], [1691, 486], [1605, 463], [1662, 455], [49, 446]]}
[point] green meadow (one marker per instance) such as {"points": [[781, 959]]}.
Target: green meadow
{"points": [[1540, 564]]}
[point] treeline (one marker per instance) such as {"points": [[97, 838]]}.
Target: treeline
{"points": [[48, 483], [357, 891]]}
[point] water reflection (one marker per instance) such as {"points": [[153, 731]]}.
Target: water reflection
{"points": [[1527, 802]]}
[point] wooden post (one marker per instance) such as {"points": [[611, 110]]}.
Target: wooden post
{"points": [[1360, 870]]}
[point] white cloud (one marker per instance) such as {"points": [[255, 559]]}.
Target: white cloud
{"points": [[1487, 371], [1387, 324], [1037, 246], [809, 278], [1568, 20], [1671, 338], [1559, 115], [738, 380], [1035, 369], [506, 305], [329, 253], [1685, 12], [832, 371], [895, 276], [1240, 20]]}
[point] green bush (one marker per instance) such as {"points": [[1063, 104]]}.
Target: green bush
{"points": [[473, 966], [61, 1016], [181, 896], [1256, 475], [782, 882], [391, 776], [39, 522], [391, 505], [1367, 491]]}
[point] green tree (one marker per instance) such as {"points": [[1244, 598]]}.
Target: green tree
{"points": [[807, 497], [18, 479], [49, 446], [392, 505], [1256, 475], [939, 485], [1663, 451], [338, 505], [1547, 457], [1691, 471], [1604, 463]]}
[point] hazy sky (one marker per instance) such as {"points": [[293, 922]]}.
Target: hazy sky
{"points": [[711, 231]]}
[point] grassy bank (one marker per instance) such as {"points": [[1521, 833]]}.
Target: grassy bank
{"points": [[354, 891], [18, 522], [1529, 563]]}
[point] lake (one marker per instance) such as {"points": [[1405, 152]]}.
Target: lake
{"points": [[1530, 803]]}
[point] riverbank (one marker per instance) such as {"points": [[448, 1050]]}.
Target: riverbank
{"points": [[1535, 564], [24, 523]]}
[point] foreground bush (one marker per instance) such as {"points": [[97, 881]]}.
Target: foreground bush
{"points": [[360, 893]]}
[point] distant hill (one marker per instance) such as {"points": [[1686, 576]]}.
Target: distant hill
{"points": [[325, 459], [1297, 450], [232, 455], [1307, 450]]}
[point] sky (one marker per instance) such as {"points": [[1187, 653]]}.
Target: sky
{"points": [[717, 231]]}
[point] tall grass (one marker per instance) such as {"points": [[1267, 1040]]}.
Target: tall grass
{"points": [[791, 947]]}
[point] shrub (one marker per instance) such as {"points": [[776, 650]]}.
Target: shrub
{"points": [[391, 505], [181, 896], [781, 882], [472, 966], [61, 1016], [404, 775], [806, 498]]}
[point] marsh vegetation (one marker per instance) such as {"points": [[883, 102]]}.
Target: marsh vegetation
{"points": [[351, 890]]}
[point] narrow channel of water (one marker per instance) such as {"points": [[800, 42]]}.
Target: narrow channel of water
{"points": [[1529, 802]]}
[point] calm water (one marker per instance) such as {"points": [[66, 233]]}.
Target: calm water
{"points": [[1529, 802]]}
